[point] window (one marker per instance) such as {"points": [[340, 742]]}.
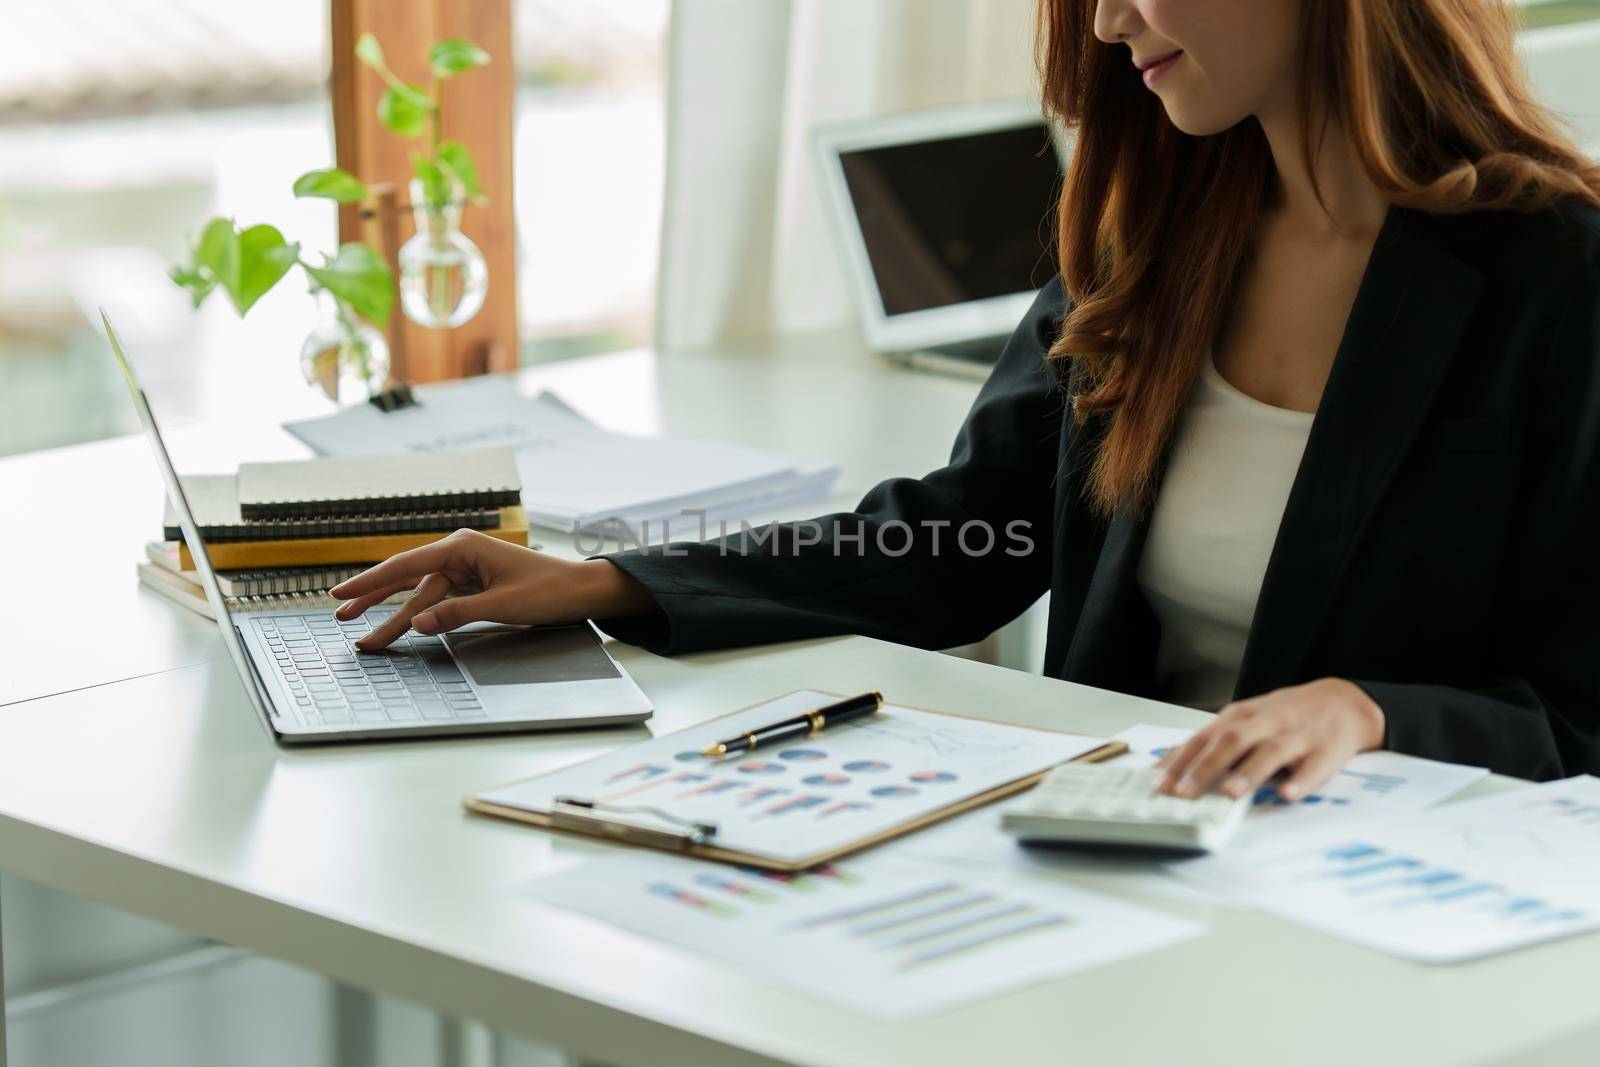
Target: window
{"points": [[124, 126], [590, 167]]}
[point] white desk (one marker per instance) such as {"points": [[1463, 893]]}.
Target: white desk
{"points": [[158, 794]]}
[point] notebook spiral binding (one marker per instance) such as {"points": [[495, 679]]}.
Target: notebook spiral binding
{"points": [[357, 508], [349, 525], [242, 583], [315, 601]]}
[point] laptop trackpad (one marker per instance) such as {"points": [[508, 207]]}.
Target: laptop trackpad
{"points": [[526, 657]]}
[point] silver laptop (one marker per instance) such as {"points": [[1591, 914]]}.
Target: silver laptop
{"points": [[309, 683], [942, 217]]}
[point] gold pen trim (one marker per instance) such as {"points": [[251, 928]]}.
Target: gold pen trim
{"points": [[817, 719]]}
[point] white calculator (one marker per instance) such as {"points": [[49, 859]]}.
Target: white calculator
{"points": [[1100, 804]]}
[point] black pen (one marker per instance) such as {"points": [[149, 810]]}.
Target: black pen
{"points": [[810, 722]]}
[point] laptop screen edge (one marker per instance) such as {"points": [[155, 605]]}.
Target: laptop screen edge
{"points": [[191, 534]]}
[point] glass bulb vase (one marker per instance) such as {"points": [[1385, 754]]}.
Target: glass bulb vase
{"points": [[443, 275], [345, 356]]}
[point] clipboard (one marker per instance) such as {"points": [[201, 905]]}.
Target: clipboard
{"points": [[585, 817]]}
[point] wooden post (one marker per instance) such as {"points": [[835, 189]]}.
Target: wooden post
{"points": [[478, 113], [380, 228]]}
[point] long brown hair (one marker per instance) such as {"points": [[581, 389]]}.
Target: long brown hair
{"points": [[1154, 225]]}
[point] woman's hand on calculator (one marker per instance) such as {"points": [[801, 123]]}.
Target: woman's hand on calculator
{"points": [[472, 577], [1303, 733]]}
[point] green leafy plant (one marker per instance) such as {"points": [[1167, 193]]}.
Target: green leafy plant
{"points": [[412, 112], [247, 263]]}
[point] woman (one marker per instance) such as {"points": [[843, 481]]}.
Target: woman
{"points": [[1306, 432]]}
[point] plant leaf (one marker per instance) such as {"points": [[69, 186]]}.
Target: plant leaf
{"points": [[435, 182], [370, 52], [218, 250], [244, 265], [332, 184], [198, 284], [454, 55], [454, 159], [413, 94], [264, 258], [402, 113], [210, 254], [361, 278]]}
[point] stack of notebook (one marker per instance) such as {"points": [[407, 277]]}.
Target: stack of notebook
{"points": [[282, 534]]}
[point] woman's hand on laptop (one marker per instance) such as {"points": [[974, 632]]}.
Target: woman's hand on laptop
{"points": [[472, 577]]}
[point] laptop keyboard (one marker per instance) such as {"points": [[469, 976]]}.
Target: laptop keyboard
{"points": [[333, 683]]}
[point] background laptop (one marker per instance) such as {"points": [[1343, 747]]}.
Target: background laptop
{"points": [[308, 682], [943, 217]]}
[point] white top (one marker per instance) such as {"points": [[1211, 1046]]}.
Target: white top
{"points": [[1232, 464]]}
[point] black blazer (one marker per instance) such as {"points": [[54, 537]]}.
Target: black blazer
{"points": [[1440, 546]]}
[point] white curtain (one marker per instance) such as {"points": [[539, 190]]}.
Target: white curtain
{"points": [[746, 252]]}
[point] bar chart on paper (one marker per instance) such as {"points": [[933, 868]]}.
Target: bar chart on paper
{"points": [[1346, 788], [1571, 810], [882, 935], [1372, 780], [1417, 891]]}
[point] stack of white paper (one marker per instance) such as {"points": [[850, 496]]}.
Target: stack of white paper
{"points": [[594, 480], [576, 476]]}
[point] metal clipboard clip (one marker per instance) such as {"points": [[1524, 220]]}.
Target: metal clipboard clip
{"points": [[576, 813]]}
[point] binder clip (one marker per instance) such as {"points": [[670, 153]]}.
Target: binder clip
{"points": [[576, 813], [394, 399]]}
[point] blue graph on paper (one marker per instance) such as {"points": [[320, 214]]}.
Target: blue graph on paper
{"points": [[1568, 810], [1389, 880], [1346, 788], [1382, 784], [1267, 797]]}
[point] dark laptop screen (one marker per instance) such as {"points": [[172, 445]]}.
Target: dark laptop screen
{"points": [[957, 219]]}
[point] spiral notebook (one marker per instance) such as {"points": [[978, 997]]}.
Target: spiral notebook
{"points": [[180, 590], [512, 526], [345, 486], [215, 502], [269, 581]]}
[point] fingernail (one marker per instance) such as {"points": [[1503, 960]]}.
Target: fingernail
{"points": [[1289, 792], [1185, 788], [1235, 787], [424, 622]]}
